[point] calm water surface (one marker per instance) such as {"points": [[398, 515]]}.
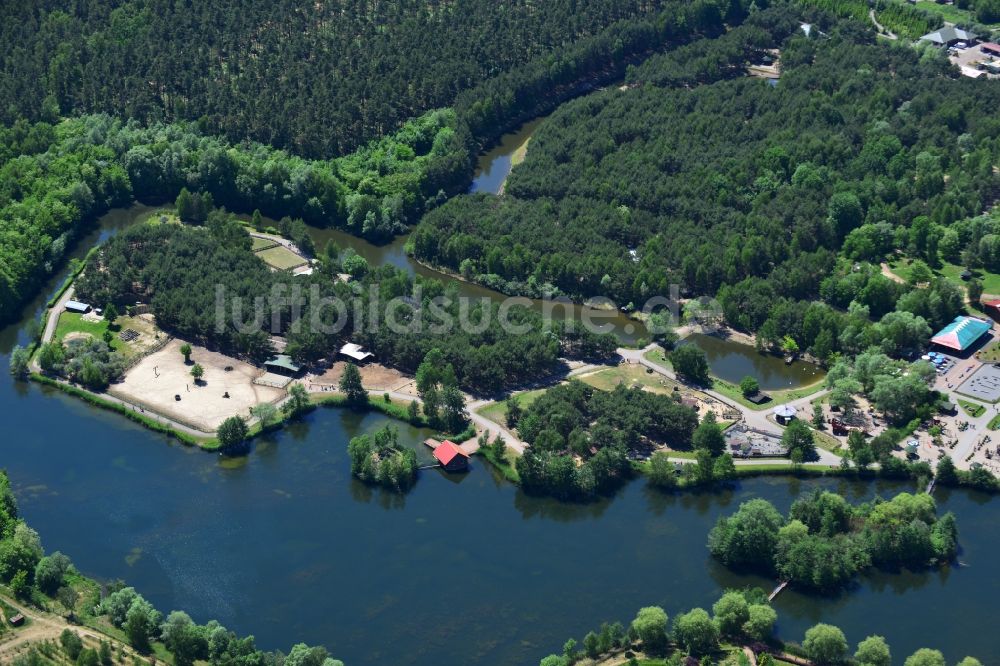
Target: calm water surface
{"points": [[732, 361], [464, 570]]}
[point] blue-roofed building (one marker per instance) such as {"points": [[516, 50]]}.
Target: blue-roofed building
{"points": [[962, 333]]}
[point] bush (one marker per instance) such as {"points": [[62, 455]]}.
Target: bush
{"points": [[825, 644]]}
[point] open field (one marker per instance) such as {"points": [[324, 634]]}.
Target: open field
{"points": [[262, 244], [374, 377], [991, 281], [281, 258], [497, 411], [951, 13], [630, 375], [156, 379], [73, 325]]}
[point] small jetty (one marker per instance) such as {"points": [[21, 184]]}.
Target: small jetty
{"points": [[776, 591], [930, 486]]}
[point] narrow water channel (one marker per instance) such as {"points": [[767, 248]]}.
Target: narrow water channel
{"points": [[465, 570]]}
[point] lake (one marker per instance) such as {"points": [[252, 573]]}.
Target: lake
{"points": [[465, 570], [732, 361]]}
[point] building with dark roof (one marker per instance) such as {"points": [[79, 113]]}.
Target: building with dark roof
{"points": [[949, 36]]}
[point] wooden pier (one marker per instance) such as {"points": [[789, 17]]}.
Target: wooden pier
{"points": [[776, 591]]}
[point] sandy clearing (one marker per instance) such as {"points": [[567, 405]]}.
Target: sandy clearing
{"points": [[155, 380]]}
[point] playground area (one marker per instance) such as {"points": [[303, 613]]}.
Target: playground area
{"points": [[983, 384], [162, 382]]}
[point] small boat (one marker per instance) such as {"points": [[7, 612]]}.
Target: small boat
{"points": [[789, 359]]}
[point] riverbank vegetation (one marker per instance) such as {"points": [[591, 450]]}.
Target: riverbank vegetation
{"points": [[825, 542], [739, 621], [50, 583], [646, 185]]}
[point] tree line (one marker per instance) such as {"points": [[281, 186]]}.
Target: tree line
{"points": [[737, 188], [738, 618]]}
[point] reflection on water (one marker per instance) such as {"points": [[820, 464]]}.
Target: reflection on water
{"points": [[732, 361], [285, 545], [495, 165]]}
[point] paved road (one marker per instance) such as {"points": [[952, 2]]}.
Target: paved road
{"points": [[752, 417]]}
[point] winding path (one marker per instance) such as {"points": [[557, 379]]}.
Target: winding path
{"points": [[752, 417]]}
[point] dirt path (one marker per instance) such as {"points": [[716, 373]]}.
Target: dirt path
{"points": [[881, 28], [47, 627], [887, 272]]}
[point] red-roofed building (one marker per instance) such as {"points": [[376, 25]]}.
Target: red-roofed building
{"points": [[452, 457], [991, 49]]}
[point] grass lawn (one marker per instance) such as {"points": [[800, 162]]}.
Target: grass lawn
{"points": [[827, 442], [281, 257], [950, 13], [991, 281], [994, 423], [991, 354], [630, 375], [734, 393], [160, 216], [973, 409], [497, 411], [262, 243], [71, 322]]}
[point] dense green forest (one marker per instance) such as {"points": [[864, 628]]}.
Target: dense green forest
{"points": [[318, 79], [178, 270], [744, 190], [59, 176], [56, 179]]}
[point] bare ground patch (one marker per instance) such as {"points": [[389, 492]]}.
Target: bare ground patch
{"points": [[155, 381], [374, 377]]}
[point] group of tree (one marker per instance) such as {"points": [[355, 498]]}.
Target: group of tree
{"points": [[825, 542], [580, 438], [900, 390], [443, 402], [180, 270], [370, 67], [92, 163], [379, 459], [86, 361], [712, 463], [739, 618], [746, 191]]}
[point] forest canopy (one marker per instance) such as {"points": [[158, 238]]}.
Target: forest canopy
{"points": [[319, 79], [743, 189]]}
